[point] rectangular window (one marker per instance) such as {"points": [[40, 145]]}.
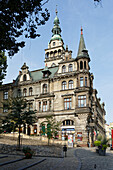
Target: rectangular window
{"points": [[50, 105], [5, 95], [30, 106], [39, 106], [81, 81], [85, 81], [44, 106], [5, 108], [82, 101], [67, 103]]}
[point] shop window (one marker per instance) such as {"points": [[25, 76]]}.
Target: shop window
{"points": [[82, 101], [63, 69], [70, 67], [5, 95], [67, 103], [71, 84], [44, 106], [63, 85]]}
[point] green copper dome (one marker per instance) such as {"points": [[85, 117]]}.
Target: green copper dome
{"points": [[56, 30]]}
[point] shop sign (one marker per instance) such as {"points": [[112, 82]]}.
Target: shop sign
{"points": [[79, 136]]}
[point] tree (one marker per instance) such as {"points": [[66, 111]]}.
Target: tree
{"points": [[17, 18], [18, 114], [52, 127], [3, 66], [20, 17]]}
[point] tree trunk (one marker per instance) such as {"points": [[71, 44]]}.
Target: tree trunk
{"points": [[19, 138]]}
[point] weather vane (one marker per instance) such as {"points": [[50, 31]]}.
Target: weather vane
{"points": [[56, 10]]}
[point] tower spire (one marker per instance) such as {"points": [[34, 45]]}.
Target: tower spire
{"points": [[81, 43], [56, 28]]}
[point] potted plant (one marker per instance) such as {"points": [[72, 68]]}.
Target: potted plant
{"points": [[28, 152], [101, 143]]}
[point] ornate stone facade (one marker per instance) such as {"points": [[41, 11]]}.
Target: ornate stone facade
{"points": [[64, 89]]}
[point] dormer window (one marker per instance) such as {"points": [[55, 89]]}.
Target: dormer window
{"points": [[24, 77], [53, 43]]}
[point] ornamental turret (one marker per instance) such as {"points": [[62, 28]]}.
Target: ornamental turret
{"points": [[53, 54], [82, 56]]}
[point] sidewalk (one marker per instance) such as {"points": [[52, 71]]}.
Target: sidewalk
{"points": [[90, 160]]}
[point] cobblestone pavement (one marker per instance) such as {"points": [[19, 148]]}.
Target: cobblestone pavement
{"points": [[90, 160], [77, 159]]}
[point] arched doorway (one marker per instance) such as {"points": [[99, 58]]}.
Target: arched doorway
{"points": [[68, 131]]}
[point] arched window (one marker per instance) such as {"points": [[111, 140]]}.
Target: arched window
{"points": [[30, 91], [81, 82], [63, 69], [51, 54], [85, 81], [68, 122], [55, 53], [19, 92], [47, 55], [81, 65], [63, 85], [59, 52], [70, 85], [45, 88], [24, 92], [84, 64], [70, 67], [24, 77]]}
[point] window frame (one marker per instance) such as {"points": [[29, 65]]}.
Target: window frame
{"points": [[81, 81], [44, 106], [44, 88], [63, 69], [24, 92], [64, 85], [82, 101], [5, 95], [30, 91], [67, 103], [70, 68], [70, 84]]}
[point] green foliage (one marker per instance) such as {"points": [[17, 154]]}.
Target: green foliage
{"points": [[3, 66], [97, 143], [28, 152], [53, 127], [20, 17], [18, 113], [101, 142]]}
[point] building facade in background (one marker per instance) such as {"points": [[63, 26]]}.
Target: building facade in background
{"points": [[64, 89]]}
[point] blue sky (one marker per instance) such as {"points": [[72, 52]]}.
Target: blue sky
{"points": [[97, 26]]}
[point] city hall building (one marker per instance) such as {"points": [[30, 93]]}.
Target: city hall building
{"points": [[63, 89]]}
